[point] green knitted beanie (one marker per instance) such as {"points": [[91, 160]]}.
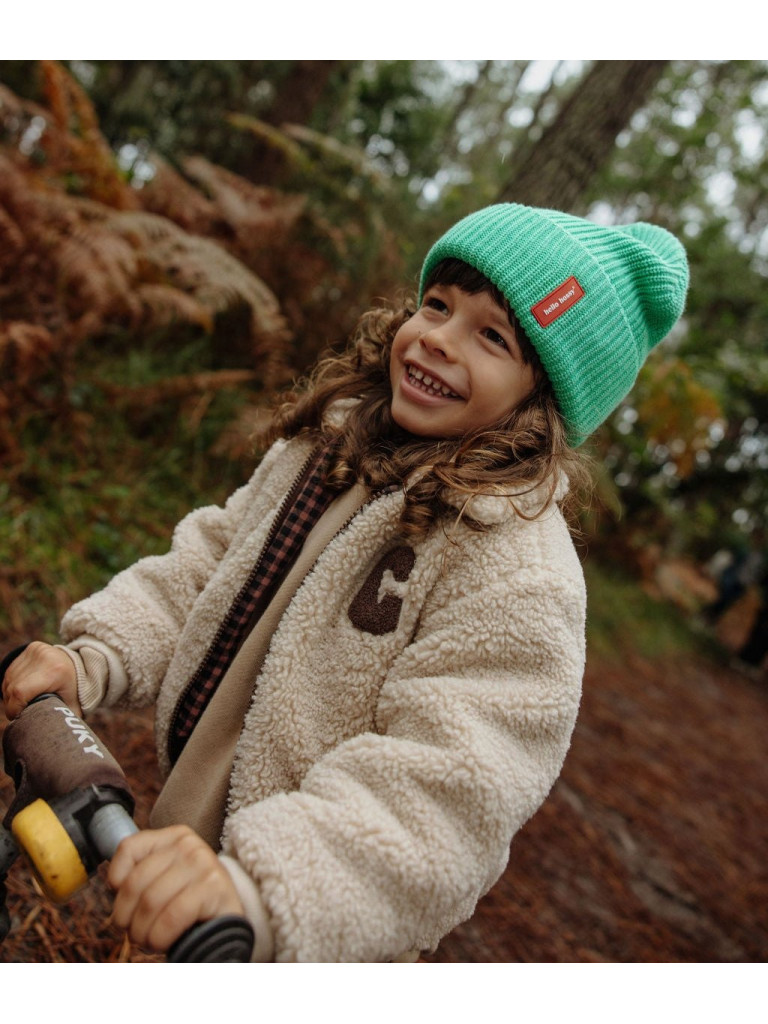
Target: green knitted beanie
{"points": [[593, 300]]}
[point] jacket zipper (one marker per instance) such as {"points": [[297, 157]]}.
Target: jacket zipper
{"points": [[277, 523]]}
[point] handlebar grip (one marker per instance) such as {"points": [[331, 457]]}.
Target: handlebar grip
{"points": [[222, 940], [93, 819]]}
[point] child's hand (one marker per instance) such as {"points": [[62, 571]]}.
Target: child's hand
{"points": [[41, 668], [166, 881]]}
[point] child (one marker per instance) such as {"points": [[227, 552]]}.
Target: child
{"points": [[367, 665]]}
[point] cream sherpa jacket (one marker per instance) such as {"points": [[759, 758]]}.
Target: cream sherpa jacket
{"points": [[412, 712]]}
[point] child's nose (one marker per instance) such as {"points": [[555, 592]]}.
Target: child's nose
{"points": [[440, 341]]}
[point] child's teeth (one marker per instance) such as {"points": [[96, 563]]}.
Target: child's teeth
{"points": [[427, 382]]}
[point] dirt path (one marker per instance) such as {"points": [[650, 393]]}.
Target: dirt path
{"points": [[652, 844], [650, 848]]}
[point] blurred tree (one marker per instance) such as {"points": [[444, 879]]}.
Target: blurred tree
{"points": [[177, 107], [563, 162], [694, 160]]}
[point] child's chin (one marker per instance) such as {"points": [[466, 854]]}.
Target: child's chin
{"points": [[420, 426]]}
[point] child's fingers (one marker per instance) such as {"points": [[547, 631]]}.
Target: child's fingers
{"points": [[134, 867], [166, 881], [197, 900], [137, 848], [41, 668], [151, 900]]}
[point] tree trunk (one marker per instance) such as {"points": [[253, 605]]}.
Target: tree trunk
{"points": [[297, 96], [299, 92], [581, 139]]}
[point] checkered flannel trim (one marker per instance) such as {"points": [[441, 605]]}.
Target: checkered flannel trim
{"points": [[281, 551]]}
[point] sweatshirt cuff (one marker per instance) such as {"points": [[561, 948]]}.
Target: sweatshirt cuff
{"points": [[100, 674], [255, 911]]}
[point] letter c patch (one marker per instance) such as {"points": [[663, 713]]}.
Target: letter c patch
{"points": [[376, 606]]}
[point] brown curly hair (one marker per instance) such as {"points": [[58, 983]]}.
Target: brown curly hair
{"points": [[525, 450]]}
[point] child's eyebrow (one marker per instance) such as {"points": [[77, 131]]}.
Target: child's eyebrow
{"points": [[498, 316]]}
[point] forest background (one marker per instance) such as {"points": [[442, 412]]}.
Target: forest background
{"points": [[179, 240]]}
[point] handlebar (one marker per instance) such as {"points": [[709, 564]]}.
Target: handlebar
{"points": [[65, 836]]}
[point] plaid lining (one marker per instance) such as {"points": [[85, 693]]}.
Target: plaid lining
{"points": [[282, 549]]}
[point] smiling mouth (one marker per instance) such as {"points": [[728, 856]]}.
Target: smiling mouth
{"points": [[429, 385]]}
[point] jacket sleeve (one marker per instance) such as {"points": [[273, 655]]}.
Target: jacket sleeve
{"points": [[394, 835], [134, 623]]}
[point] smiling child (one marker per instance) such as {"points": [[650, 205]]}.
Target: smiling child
{"points": [[367, 665]]}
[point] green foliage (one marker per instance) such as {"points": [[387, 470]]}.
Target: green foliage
{"points": [[621, 618], [400, 116], [106, 486], [694, 160], [178, 106]]}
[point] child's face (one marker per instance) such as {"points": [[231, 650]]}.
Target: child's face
{"points": [[466, 346]]}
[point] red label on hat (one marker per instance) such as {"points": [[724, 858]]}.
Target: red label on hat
{"points": [[557, 302]]}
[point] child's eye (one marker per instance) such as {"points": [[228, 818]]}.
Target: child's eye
{"points": [[433, 302], [495, 337]]}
